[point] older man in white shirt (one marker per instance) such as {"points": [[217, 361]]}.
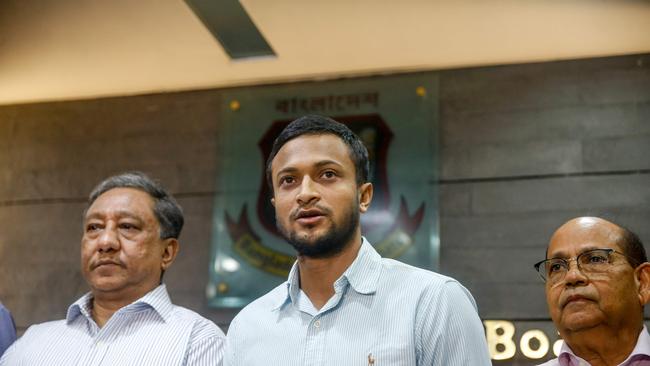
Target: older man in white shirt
{"points": [[597, 302], [130, 239]]}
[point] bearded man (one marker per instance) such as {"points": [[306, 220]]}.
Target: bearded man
{"points": [[343, 304]]}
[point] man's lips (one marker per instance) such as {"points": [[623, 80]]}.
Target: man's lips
{"points": [[574, 298], [310, 216], [308, 213], [309, 220], [105, 262]]}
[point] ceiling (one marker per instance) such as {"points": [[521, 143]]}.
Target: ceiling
{"points": [[72, 49]]}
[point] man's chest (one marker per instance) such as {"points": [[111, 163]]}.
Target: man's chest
{"points": [[142, 345], [338, 337]]}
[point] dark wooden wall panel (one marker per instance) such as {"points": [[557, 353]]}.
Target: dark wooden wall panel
{"points": [[525, 148]]}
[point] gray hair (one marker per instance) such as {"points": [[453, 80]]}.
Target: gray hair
{"points": [[632, 247], [166, 209]]}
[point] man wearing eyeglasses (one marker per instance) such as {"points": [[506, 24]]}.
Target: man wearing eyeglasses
{"points": [[597, 282]]}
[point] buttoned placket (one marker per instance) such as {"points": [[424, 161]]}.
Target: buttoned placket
{"points": [[317, 328], [314, 342], [100, 339]]}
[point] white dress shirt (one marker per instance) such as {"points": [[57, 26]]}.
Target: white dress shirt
{"points": [[383, 312], [150, 331]]}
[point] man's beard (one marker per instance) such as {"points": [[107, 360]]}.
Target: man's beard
{"points": [[328, 245]]}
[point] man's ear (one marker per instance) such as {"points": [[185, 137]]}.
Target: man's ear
{"points": [[365, 196], [642, 280], [169, 252]]}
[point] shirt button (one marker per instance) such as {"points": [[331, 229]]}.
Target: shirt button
{"points": [[317, 324]]}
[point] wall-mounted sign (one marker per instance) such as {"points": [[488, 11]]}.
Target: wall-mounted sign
{"points": [[521, 342], [395, 116]]}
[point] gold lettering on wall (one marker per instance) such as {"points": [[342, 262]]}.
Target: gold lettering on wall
{"points": [[534, 344], [527, 350], [499, 339]]}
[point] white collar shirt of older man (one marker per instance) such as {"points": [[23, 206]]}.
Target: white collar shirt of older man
{"points": [[640, 355]]}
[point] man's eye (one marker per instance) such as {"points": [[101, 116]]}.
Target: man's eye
{"points": [[329, 174], [555, 267], [596, 258], [286, 180], [127, 226], [92, 227]]}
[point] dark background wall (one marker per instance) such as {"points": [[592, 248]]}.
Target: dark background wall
{"points": [[523, 149], [526, 147]]}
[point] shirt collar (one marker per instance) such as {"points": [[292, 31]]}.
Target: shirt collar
{"points": [[156, 299], [362, 275], [642, 348]]}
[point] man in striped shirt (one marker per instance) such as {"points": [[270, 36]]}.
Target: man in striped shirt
{"points": [[131, 230], [343, 304]]}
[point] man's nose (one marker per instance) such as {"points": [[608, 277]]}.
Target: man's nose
{"points": [[108, 240], [574, 274], [308, 192]]}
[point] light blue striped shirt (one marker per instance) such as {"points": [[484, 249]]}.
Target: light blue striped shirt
{"points": [[150, 331], [383, 312]]}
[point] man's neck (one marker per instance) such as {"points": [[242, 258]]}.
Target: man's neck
{"points": [[105, 304], [317, 276], [603, 346]]}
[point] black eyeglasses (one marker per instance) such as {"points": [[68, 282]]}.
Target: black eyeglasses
{"points": [[590, 262]]}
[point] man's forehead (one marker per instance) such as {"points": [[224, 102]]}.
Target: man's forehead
{"points": [[313, 149], [582, 234], [122, 200]]}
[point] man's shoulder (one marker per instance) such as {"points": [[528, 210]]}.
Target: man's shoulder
{"points": [[264, 304], [46, 326], [421, 284], [401, 271], [45, 330], [201, 326]]}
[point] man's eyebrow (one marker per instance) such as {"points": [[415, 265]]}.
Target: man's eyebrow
{"points": [[319, 164], [559, 254], [120, 213], [286, 170], [327, 162], [562, 254]]}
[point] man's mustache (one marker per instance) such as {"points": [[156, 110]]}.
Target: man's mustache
{"points": [[316, 210], [577, 294], [103, 261]]}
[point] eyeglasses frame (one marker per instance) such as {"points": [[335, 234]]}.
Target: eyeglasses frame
{"points": [[568, 261]]}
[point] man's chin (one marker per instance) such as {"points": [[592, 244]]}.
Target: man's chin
{"points": [[581, 321], [105, 285], [307, 239], [316, 247]]}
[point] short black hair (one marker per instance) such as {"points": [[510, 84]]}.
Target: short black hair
{"points": [[168, 212], [320, 125], [632, 247]]}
